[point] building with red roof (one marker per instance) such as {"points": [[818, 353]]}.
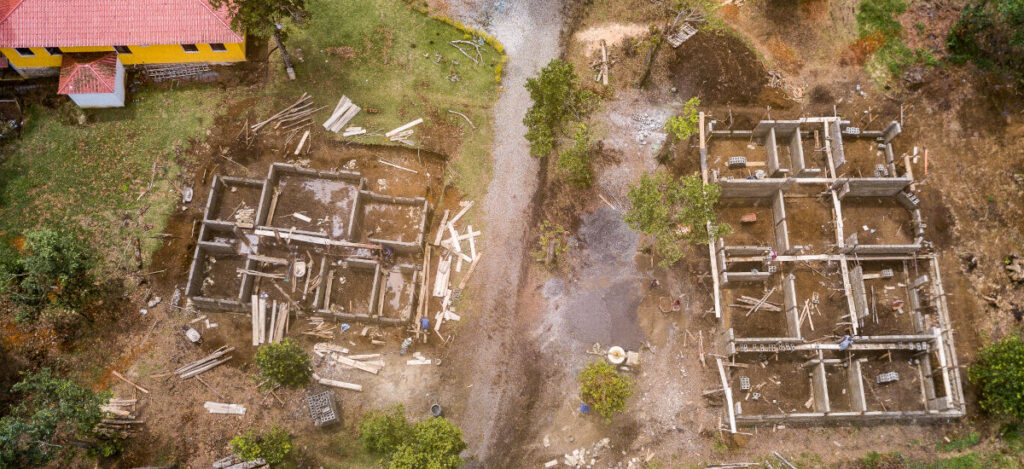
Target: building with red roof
{"points": [[46, 37]]}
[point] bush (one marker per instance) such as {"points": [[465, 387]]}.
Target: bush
{"points": [[382, 432], [273, 446], [999, 372], [991, 34], [284, 363], [685, 125], [556, 97], [575, 160], [672, 211], [435, 444], [55, 271], [51, 410], [551, 237], [603, 389]]}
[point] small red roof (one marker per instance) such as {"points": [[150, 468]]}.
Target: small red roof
{"points": [[83, 23], [88, 73]]}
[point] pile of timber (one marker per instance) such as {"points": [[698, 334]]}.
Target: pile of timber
{"points": [[272, 328], [418, 359], [402, 133], [455, 250], [118, 419], [236, 462], [756, 304], [205, 364], [295, 116], [321, 329], [339, 356], [343, 113]]}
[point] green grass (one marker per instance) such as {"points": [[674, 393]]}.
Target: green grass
{"points": [[877, 20], [390, 73], [89, 178], [960, 443]]}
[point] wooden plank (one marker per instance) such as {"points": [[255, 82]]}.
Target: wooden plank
{"points": [[264, 232], [461, 212], [469, 273], [454, 238], [222, 408], [357, 365], [268, 259], [402, 128], [273, 323], [440, 228], [122, 378], [472, 244], [728, 396], [302, 142], [255, 316], [340, 384]]}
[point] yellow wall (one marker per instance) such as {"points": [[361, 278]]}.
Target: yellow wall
{"points": [[158, 54]]}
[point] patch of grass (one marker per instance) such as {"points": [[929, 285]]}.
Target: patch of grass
{"points": [[393, 67], [60, 174], [880, 29], [959, 443]]}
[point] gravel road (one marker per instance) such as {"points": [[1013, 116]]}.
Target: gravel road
{"points": [[490, 359]]}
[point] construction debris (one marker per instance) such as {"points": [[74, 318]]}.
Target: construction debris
{"points": [[222, 408], [119, 418], [402, 133], [205, 364], [321, 409], [343, 113], [235, 462], [299, 114]]}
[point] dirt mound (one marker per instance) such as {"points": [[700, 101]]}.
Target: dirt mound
{"points": [[720, 69]]}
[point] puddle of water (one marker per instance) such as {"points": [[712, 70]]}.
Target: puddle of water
{"points": [[600, 304]]}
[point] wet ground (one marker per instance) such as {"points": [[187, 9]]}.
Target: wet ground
{"points": [[599, 303]]}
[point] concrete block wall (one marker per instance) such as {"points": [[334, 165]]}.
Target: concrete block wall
{"points": [[771, 150], [855, 381], [796, 154], [820, 387], [751, 188], [836, 142], [781, 225], [790, 306], [860, 297]]}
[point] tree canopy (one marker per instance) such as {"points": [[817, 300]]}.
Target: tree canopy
{"points": [[604, 389], [672, 211], [434, 443], [999, 372], [54, 270], [284, 363], [556, 96], [51, 412], [258, 17]]}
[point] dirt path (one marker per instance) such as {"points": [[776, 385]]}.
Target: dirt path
{"points": [[490, 360]]}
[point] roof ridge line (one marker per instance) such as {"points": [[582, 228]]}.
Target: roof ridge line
{"points": [[206, 4]]}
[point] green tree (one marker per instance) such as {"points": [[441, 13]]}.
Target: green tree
{"points": [[991, 34], [435, 444], [382, 432], [257, 17], [604, 389], [575, 160], [272, 446], [284, 363], [686, 124], [672, 211], [51, 413], [55, 271], [556, 97], [999, 372]]}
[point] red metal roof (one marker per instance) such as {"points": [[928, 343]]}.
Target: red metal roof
{"points": [[88, 73], [83, 23]]}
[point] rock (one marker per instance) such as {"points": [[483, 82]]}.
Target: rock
{"points": [[914, 77], [1015, 268], [155, 301]]}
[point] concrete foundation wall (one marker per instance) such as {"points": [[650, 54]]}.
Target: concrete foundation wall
{"points": [[796, 154], [836, 142], [860, 297], [855, 381], [752, 188], [781, 225], [790, 306]]}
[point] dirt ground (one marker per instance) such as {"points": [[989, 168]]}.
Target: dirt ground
{"points": [[508, 378], [601, 292]]}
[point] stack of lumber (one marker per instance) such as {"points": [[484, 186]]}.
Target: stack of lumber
{"points": [[343, 113], [751, 302], [298, 115], [457, 248], [118, 418], [236, 462], [320, 329], [205, 364], [222, 408], [402, 133], [337, 355], [268, 327]]}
